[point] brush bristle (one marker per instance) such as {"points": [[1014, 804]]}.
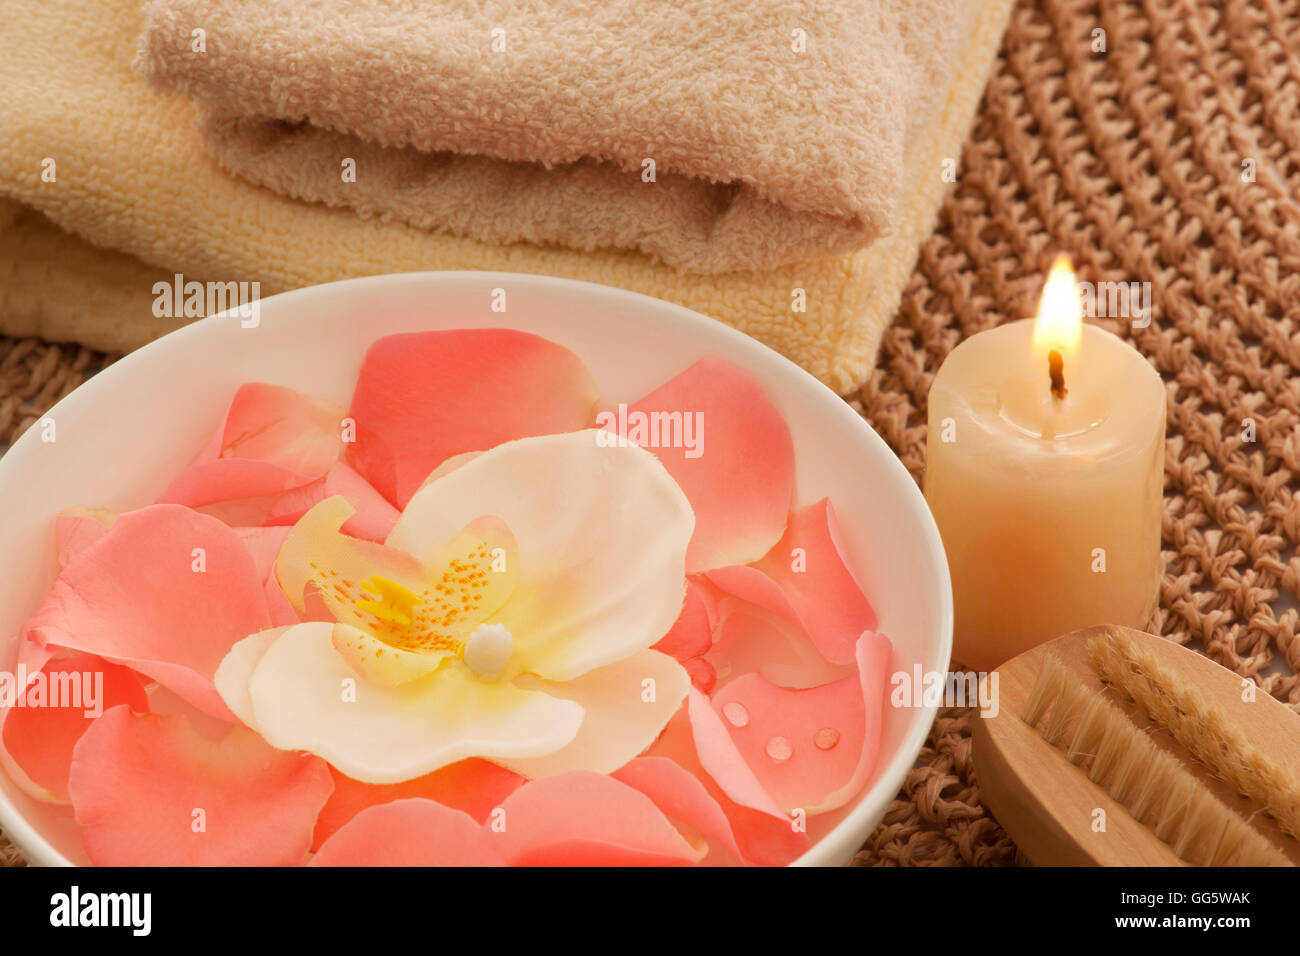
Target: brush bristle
{"points": [[1198, 725], [1156, 789]]}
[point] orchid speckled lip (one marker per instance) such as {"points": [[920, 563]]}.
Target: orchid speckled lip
{"points": [[440, 618]]}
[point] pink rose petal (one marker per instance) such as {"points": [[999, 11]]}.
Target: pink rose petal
{"points": [[410, 832], [236, 490], [135, 597], [825, 594], [279, 606], [740, 477], [32, 657], [76, 529], [703, 677], [151, 791], [807, 747], [374, 517], [712, 596], [582, 818], [474, 786], [39, 738], [681, 796], [723, 761], [264, 545], [691, 635], [751, 585], [751, 640], [777, 739], [275, 424], [274, 439], [764, 835], [426, 396], [875, 655]]}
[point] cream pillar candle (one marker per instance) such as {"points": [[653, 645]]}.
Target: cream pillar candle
{"points": [[1044, 472]]}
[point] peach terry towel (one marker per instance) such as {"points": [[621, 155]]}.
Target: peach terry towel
{"points": [[117, 191], [777, 129]]}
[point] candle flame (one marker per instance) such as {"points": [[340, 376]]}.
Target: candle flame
{"points": [[1059, 323]]}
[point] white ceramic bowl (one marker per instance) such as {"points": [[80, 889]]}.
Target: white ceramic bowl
{"points": [[124, 433]]}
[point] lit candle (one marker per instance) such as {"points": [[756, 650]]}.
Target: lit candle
{"points": [[1045, 460]]}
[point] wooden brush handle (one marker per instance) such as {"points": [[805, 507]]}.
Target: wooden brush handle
{"points": [[1050, 807]]}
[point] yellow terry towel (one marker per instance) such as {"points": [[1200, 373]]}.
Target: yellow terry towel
{"points": [[87, 143]]}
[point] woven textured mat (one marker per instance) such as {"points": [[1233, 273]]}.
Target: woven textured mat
{"points": [[1169, 159], [1166, 158]]}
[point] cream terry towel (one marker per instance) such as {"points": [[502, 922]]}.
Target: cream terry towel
{"points": [[775, 130], [118, 166]]}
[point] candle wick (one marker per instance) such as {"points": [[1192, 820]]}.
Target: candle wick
{"points": [[1056, 369]]}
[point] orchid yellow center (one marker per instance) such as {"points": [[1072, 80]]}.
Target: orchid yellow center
{"points": [[396, 608], [430, 607], [388, 601], [435, 621]]}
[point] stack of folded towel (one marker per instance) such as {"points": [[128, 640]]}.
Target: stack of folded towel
{"points": [[775, 164]]}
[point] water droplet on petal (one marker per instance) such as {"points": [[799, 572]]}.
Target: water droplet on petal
{"points": [[826, 738], [778, 748], [736, 713]]}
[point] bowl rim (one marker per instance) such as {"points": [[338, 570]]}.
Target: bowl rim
{"points": [[887, 779]]}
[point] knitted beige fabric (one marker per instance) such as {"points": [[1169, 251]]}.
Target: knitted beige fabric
{"points": [[133, 176], [778, 129], [1166, 155]]}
